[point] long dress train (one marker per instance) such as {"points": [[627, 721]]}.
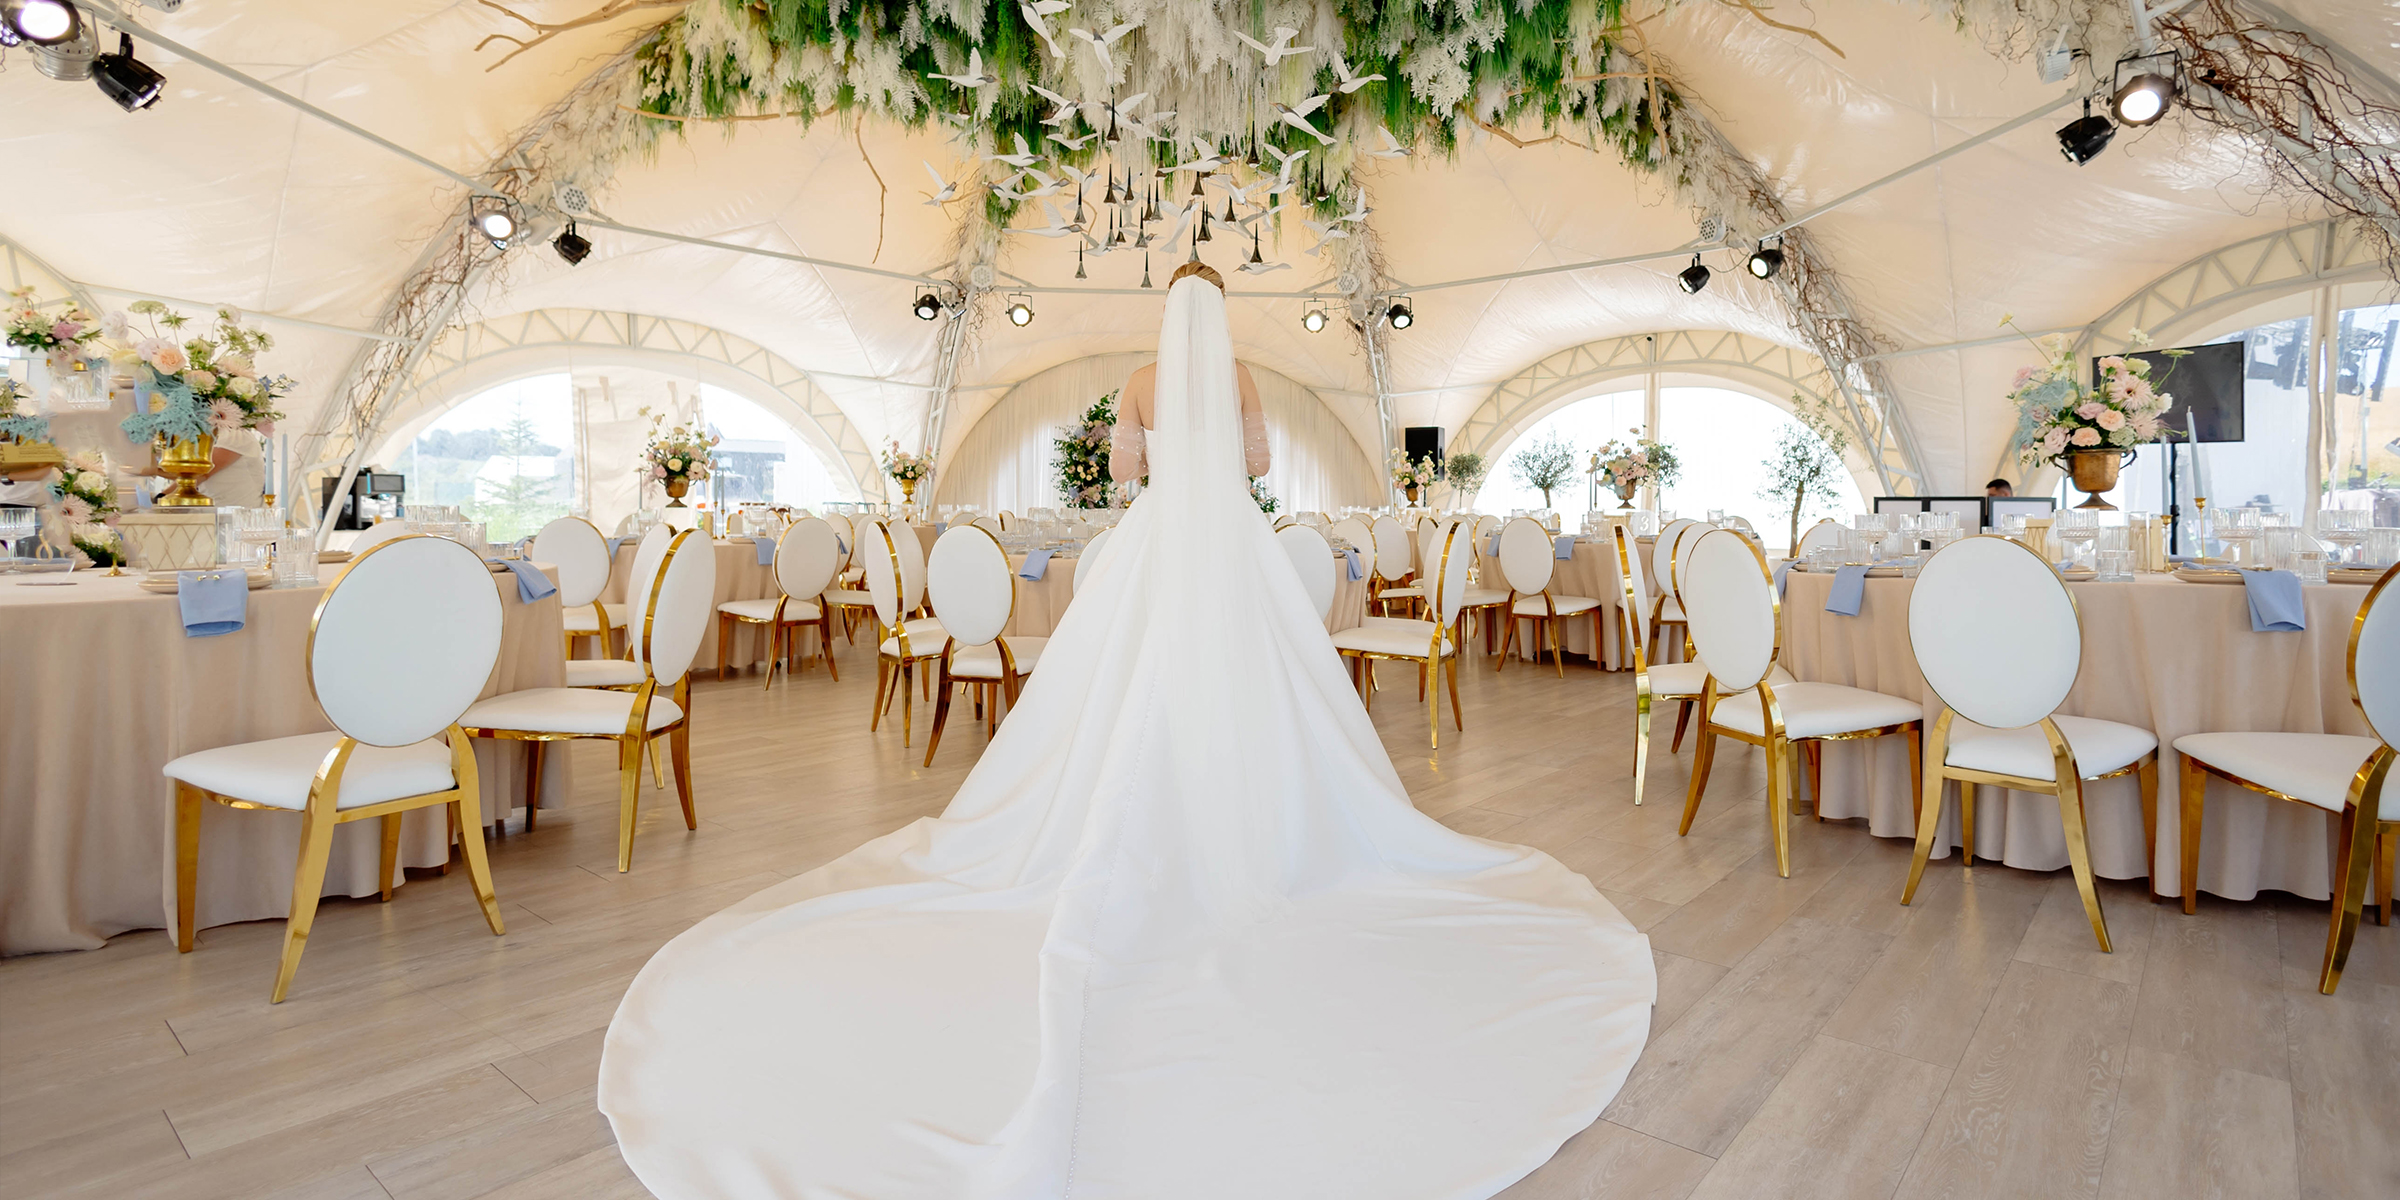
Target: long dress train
{"points": [[1179, 936]]}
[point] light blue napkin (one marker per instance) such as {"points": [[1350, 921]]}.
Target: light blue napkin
{"points": [[2275, 604], [1783, 571], [1356, 572], [766, 551], [840, 546], [1491, 543], [941, 527], [214, 602], [1849, 590], [2183, 558], [1037, 564], [613, 543], [1564, 548], [532, 585]]}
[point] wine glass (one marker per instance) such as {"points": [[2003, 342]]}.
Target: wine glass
{"points": [[2077, 529], [2344, 529]]}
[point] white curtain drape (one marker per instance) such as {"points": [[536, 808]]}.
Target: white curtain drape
{"points": [[1006, 461]]}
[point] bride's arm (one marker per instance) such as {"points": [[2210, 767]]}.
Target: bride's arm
{"points": [[1128, 445], [1256, 457]]}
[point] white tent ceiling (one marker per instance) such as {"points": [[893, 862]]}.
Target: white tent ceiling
{"points": [[222, 194]]}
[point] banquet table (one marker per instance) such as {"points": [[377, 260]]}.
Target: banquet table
{"points": [[740, 576], [2161, 654], [109, 690], [1042, 602]]}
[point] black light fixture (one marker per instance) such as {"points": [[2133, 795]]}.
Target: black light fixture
{"points": [[1400, 314], [1313, 320], [2083, 138], [129, 81], [2143, 98], [42, 22], [493, 218], [927, 307], [1692, 278], [1767, 260], [1019, 310], [572, 246]]}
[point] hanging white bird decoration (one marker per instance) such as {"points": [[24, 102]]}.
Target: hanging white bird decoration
{"points": [[1391, 147], [1296, 116], [943, 191], [1034, 12], [1281, 49], [974, 77], [1349, 82], [1023, 158], [1100, 44]]}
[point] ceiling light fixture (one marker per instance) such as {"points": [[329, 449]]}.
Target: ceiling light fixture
{"points": [[2086, 136], [572, 246], [129, 81], [1767, 260], [1400, 314], [1692, 278], [69, 61], [1019, 310], [927, 307], [2145, 97], [1313, 320], [491, 217], [42, 22]]}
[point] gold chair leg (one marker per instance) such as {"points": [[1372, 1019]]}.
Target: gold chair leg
{"points": [[1966, 825], [724, 641], [2079, 856], [941, 717], [1433, 702], [1556, 630], [1704, 755], [875, 704], [1508, 637], [1779, 803], [1458, 716], [308, 883], [1683, 716], [679, 744], [825, 643], [1814, 753], [466, 816], [629, 791], [389, 860], [908, 699], [658, 769], [188, 803], [775, 653], [2362, 830], [2147, 776], [1641, 740], [1929, 819], [2195, 802], [533, 782]]}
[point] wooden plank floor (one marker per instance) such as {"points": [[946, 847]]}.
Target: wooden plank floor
{"points": [[1812, 1037]]}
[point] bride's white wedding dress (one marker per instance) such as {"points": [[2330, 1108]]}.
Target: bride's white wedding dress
{"points": [[1180, 935]]}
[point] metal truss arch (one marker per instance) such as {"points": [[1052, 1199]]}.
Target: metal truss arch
{"points": [[2229, 279]]}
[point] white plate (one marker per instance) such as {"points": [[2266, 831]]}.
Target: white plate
{"points": [[2189, 575]]}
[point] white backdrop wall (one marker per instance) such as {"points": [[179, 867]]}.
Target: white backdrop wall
{"points": [[1006, 460]]}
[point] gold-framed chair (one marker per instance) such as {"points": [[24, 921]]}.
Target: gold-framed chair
{"points": [[1680, 682], [581, 554], [895, 565], [1431, 644], [397, 650], [1528, 562], [2344, 776], [969, 580], [806, 560]]}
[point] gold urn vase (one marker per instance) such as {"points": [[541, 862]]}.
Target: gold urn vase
{"points": [[1624, 493], [908, 491], [1411, 491], [187, 461], [2094, 472], [675, 490]]}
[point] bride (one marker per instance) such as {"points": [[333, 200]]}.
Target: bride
{"points": [[1179, 936]]}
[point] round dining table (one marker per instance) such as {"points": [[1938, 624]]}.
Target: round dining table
{"points": [[107, 689], [1041, 602], [2159, 653]]}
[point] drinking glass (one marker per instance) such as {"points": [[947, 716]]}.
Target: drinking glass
{"points": [[2239, 529], [2282, 542], [1716, 516], [2076, 530], [2344, 529], [17, 527], [2116, 566], [295, 559], [2382, 546], [2308, 561]]}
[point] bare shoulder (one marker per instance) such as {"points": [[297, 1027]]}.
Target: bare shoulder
{"points": [[1247, 385]]}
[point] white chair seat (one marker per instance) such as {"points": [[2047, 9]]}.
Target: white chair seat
{"points": [[763, 609], [581, 619], [852, 575], [566, 710], [2100, 747], [925, 638], [1672, 611], [849, 597], [983, 662], [1686, 679], [1395, 592], [277, 772], [603, 672], [1485, 597], [1564, 606], [2311, 767], [1820, 710], [1389, 635]]}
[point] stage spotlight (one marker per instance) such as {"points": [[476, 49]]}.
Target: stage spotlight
{"points": [[1313, 320], [2142, 99], [69, 61], [1692, 278], [1019, 310], [572, 246], [928, 306], [127, 80], [2086, 136], [491, 217], [1767, 260], [42, 22], [1400, 314]]}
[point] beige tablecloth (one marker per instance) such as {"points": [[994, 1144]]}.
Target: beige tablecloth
{"points": [[105, 690], [739, 577], [1041, 603], [2172, 657]]}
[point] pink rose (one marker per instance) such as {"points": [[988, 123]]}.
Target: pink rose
{"points": [[2024, 376], [658, 472], [169, 358], [2114, 362], [2086, 436], [2054, 441], [2111, 420], [2090, 410], [65, 331], [235, 364]]}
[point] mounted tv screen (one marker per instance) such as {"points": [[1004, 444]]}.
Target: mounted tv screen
{"points": [[2207, 385]]}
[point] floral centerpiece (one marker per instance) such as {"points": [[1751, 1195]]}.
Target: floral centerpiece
{"points": [[86, 505], [907, 469], [1643, 462], [62, 338], [15, 425], [678, 457], [1410, 476], [2087, 430], [1259, 495], [1083, 479], [200, 389]]}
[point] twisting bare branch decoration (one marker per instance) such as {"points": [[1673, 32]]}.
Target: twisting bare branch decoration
{"points": [[1762, 18], [545, 30]]}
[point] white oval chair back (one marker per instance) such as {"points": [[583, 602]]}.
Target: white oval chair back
{"points": [[647, 554], [2375, 661], [1312, 556], [1662, 557], [886, 583], [1633, 576], [1085, 561], [1429, 538], [1994, 632], [1451, 562], [806, 559], [912, 563], [1527, 556], [1680, 554], [405, 640], [972, 586], [581, 555], [376, 535], [1823, 533], [1391, 549], [990, 525], [1007, 520], [1731, 609], [680, 605], [1361, 538]]}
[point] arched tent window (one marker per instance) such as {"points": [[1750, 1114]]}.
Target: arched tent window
{"points": [[763, 459], [505, 457]]}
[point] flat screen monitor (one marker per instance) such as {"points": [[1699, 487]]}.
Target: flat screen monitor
{"points": [[2206, 382], [2003, 507]]}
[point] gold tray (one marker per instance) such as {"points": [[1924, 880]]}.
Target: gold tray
{"points": [[2188, 575], [168, 583]]}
